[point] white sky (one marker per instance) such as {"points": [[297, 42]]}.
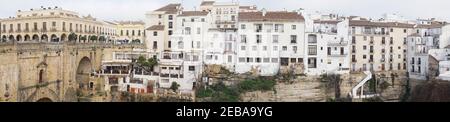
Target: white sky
{"points": [[135, 9]]}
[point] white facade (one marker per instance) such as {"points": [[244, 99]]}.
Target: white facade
{"points": [[265, 46]]}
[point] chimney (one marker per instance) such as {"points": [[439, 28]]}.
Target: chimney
{"points": [[264, 11]]}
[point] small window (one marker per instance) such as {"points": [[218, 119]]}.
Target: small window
{"points": [[191, 68]]}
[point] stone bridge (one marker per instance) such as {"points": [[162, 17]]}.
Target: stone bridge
{"points": [[45, 71]]}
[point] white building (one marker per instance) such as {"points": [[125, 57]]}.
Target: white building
{"points": [[428, 40], [328, 44], [269, 40]]}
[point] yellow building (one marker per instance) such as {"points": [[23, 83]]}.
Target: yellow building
{"points": [[54, 24], [130, 31], [378, 46]]}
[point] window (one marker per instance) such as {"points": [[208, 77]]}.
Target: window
{"points": [[275, 48], [170, 32], [258, 60], [312, 50], [312, 62], [187, 31], [364, 56], [241, 60], [249, 60], [404, 30], [258, 27], [243, 38], [284, 61], [293, 60], [383, 40], [293, 39], [294, 48], [275, 38], [243, 48], [170, 25], [294, 27], [266, 60], [274, 60], [230, 58], [198, 30], [170, 44], [264, 48], [180, 45], [155, 33], [170, 17], [254, 48], [364, 47], [243, 26], [365, 38], [155, 45], [392, 30], [160, 16], [284, 48], [191, 68], [329, 51], [258, 38]]}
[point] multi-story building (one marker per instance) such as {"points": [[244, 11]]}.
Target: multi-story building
{"points": [[130, 32], [161, 22], [424, 47], [378, 46], [58, 26], [329, 39], [269, 40]]}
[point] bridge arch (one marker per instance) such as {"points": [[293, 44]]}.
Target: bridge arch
{"points": [[45, 99]]}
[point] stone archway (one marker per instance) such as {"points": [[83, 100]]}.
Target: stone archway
{"points": [[63, 37], [45, 99], [44, 38], [35, 38], [4, 38], [84, 71], [27, 37], [11, 38], [18, 38], [54, 38]]}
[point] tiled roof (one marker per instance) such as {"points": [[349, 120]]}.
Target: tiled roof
{"points": [[193, 13], [170, 9], [327, 21], [247, 7], [380, 24], [156, 27], [432, 25], [270, 16], [207, 3], [131, 22]]}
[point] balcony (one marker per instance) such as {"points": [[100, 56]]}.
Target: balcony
{"points": [[53, 30], [337, 43]]}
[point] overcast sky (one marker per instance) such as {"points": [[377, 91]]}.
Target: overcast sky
{"points": [[135, 9]]}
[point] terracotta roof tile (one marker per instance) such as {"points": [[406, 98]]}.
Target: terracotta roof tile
{"points": [[270, 16], [207, 3], [380, 24], [193, 13], [170, 9], [156, 27]]}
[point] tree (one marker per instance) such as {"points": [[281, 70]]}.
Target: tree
{"points": [[333, 81], [136, 41], [72, 37], [174, 86], [147, 64], [93, 38], [83, 38]]}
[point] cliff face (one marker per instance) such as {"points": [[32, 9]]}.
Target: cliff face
{"points": [[431, 91]]}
